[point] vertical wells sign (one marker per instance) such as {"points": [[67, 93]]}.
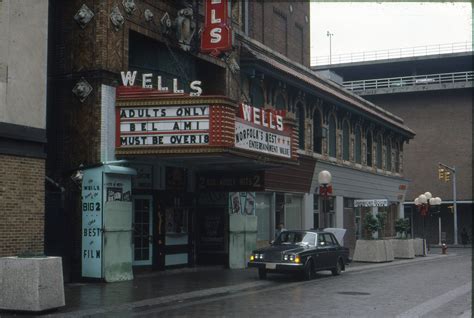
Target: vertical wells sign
{"points": [[216, 35]]}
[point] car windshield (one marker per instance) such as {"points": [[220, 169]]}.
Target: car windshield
{"points": [[300, 238]]}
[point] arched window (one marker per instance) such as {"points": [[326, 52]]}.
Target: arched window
{"points": [[358, 145], [345, 140], [280, 102], [256, 96], [332, 136], [397, 157], [388, 157], [317, 132], [379, 151], [300, 120], [369, 148]]}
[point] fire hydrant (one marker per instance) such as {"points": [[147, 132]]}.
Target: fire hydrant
{"points": [[444, 248]]}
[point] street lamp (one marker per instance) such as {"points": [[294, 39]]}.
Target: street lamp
{"points": [[330, 35], [325, 189], [424, 202]]}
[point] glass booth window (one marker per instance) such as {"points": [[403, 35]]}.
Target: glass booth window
{"points": [[263, 209], [176, 220], [293, 211]]}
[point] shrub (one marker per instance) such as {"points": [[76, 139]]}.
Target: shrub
{"points": [[371, 224], [402, 226]]}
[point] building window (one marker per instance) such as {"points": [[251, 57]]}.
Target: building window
{"points": [[256, 96], [332, 136], [388, 158], [379, 152], [280, 102], [300, 120], [263, 209], [369, 148], [317, 132], [280, 27], [358, 145], [345, 140], [397, 157]]}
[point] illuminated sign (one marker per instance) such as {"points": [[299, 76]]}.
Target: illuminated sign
{"points": [[128, 79], [163, 126], [216, 36], [272, 119]]}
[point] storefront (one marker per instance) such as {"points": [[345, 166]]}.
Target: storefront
{"points": [[200, 165]]}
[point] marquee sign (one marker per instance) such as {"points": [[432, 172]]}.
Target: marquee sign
{"points": [[216, 35], [167, 126]]}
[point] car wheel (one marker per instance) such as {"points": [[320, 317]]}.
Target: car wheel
{"points": [[262, 273], [338, 269], [308, 270]]}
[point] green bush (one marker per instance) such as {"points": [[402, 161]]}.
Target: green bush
{"points": [[402, 226], [371, 224]]}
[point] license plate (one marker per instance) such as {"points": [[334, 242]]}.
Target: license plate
{"points": [[270, 265]]}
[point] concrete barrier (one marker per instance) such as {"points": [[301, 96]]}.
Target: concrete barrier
{"points": [[373, 251], [418, 245], [31, 284], [403, 248]]}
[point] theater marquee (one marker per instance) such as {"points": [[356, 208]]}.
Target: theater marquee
{"points": [[172, 125]]}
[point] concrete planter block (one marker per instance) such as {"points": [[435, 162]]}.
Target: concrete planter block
{"points": [[418, 245], [373, 251], [403, 248], [31, 284]]}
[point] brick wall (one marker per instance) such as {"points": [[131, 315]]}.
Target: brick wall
{"points": [[21, 205], [281, 28]]}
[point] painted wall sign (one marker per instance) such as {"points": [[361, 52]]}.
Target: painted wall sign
{"points": [[92, 208], [163, 126], [254, 138], [243, 181], [129, 77], [216, 36], [370, 203]]}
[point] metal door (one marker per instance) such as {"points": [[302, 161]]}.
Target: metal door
{"points": [[142, 230]]}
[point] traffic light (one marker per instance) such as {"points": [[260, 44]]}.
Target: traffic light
{"points": [[447, 176], [441, 172]]}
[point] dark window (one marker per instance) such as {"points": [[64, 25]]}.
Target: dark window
{"points": [[379, 152], [388, 161], [358, 146], [369, 149], [345, 140], [317, 132], [332, 136], [300, 119], [397, 157], [256, 97], [280, 102]]}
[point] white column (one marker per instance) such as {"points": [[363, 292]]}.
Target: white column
{"points": [[308, 214], [401, 210]]}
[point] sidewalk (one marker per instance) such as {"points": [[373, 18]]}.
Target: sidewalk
{"points": [[153, 289]]}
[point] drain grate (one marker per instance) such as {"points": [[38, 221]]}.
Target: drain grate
{"points": [[354, 293]]}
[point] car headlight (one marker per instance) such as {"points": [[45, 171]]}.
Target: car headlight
{"points": [[252, 257], [297, 259], [291, 258], [285, 257]]}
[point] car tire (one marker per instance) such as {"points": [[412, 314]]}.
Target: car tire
{"points": [[308, 270], [338, 269], [262, 273]]}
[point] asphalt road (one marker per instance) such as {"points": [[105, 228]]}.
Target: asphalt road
{"points": [[431, 287]]}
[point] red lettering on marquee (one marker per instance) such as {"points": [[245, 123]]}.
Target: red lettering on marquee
{"points": [[216, 35], [264, 117]]}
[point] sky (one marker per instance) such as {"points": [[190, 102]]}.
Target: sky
{"points": [[373, 26]]}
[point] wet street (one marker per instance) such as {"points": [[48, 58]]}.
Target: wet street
{"points": [[439, 287], [434, 286]]}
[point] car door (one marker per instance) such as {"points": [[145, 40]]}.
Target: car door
{"points": [[332, 247], [322, 252]]}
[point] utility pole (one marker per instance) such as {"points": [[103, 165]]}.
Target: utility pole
{"points": [[455, 210], [329, 34]]}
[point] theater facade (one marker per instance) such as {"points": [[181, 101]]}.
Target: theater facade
{"points": [[187, 148]]}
